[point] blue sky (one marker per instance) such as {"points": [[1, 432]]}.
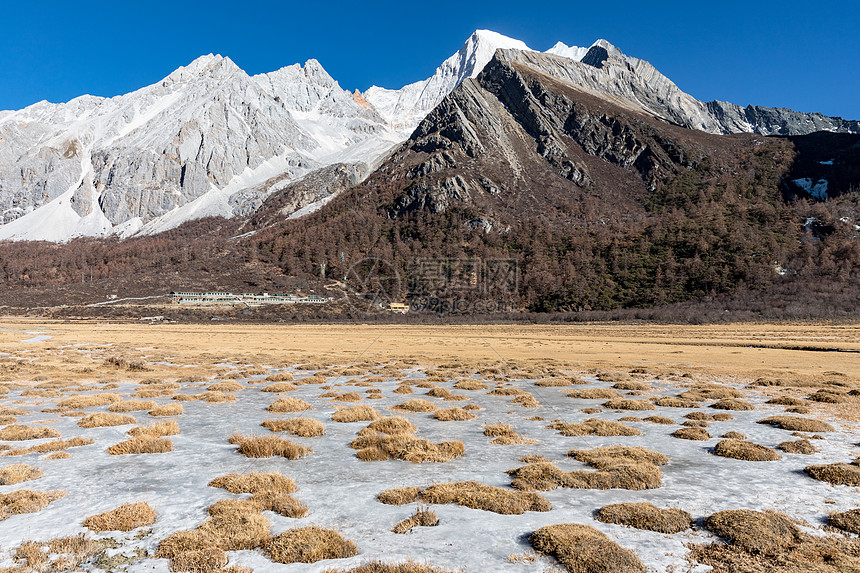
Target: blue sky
{"points": [[801, 55]]}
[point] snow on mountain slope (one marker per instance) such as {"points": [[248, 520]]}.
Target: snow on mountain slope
{"points": [[565, 51], [406, 107], [175, 150]]}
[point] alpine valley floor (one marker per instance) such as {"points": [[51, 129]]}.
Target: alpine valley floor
{"points": [[62, 384]]}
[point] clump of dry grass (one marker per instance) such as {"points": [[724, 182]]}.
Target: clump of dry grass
{"points": [[827, 397], [676, 402], [289, 405], [453, 415], [167, 410], [347, 397], [438, 392], [593, 394], [836, 474], [846, 521], [225, 386], [378, 447], [57, 456], [269, 491], [358, 413], [533, 459], [59, 554], [625, 475], [506, 391], [414, 405], [20, 432], [280, 377], [801, 446], [786, 401], [705, 392], [268, 446], [399, 496], [78, 402], [757, 532], [700, 434], [611, 456], [583, 549], [308, 545], [646, 516], [102, 419], [403, 389], [660, 420], [154, 392], [632, 385], [389, 425], [421, 518], [142, 444], [157, 430], [797, 424], [484, 497], [279, 387], [628, 404], [743, 450], [16, 473], [591, 410], [470, 384], [734, 435], [593, 427], [132, 405], [505, 435], [52, 446], [732, 404], [216, 397], [554, 382], [303, 427], [526, 401], [26, 501], [124, 518]]}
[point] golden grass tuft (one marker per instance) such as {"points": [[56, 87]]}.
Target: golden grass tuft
{"points": [[379, 447], [632, 385], [526, 401], [506, 391], [757, 532], [399, 495], [733, 404], [288, 405], [167, 410], [646, 516], [802, 446], [225, 386], [308, 545], [743, 450], [153, 392], [16, 473], [476, 495], [403, 389], [268, 446], [835, 474], [438, 392], [132, 405], [124, 518], [583, 549], [143, 444], [593, 394], [102, 419], [607, 457], [710, 392], [505, 435], [414, 405], [676, 402], [700, 434], [389, 425], [216, 397], [470, 384], [20, 432], [157, 430], [628, 404], [78, 402], [625, 475], [554, 382], [58, 554], [280, 377], [593, 427], [346, 397], [380, 567], [660, 420], [421, 518], [52, 446], [786, 401], [358, 413], [57, 456], [453, 415], [734, 435], [846, 521], [303, 427], [827, 397], [254, 482], [797, 424], [26, 501], [279, 387]]}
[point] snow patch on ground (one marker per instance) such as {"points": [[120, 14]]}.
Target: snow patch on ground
{"points": [[817, 189]]}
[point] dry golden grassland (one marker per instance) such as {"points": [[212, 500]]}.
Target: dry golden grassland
{"points": [[785, 377]]}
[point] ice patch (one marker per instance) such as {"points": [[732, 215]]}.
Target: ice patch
{"points": [[39, 338], [817, 190]]}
